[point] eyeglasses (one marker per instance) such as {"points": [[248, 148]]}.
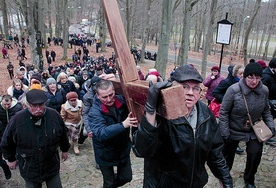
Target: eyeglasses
{"points": [[195, 89], [252, 77]]}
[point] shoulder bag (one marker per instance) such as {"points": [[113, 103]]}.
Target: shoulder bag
{"points": [[261, 130]]}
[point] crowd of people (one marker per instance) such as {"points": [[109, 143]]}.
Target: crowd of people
{"points": [[63, 105]]}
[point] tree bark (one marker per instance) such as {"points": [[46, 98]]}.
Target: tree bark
{"points": [[65, 30], [184, 47], [246, 37], [146, 31], [5, 18], [208, 36], [162, 54]]}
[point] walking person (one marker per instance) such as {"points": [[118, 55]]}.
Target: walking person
{"points": [[9, 106], [212, 81], [10, 68], [37, 150], [175, 151], [53, 55], [110, 123], [71, 115], [235, 73], [234, 121], [269, 79]]}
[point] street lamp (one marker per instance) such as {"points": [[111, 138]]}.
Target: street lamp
{"points": [[241, 35]]}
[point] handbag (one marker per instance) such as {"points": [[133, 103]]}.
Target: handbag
{"points": [[215, 107], [262, 132]]}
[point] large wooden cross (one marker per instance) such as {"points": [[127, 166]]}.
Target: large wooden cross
{"points": [[135, 90]]}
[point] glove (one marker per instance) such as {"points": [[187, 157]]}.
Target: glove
{"points": [[154, 90]]}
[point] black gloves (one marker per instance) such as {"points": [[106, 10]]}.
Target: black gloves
{"points": [[153, 95]]}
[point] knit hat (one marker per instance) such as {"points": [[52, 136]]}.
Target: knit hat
{"points": [[50, 81], [93, 81], [215, 68], [36, 76], [262, 63], [71, 95], [35, 86], [253, 68], [272, 63], [185, 73], [36, 96]]}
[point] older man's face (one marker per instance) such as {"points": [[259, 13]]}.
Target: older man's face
{"points": [[192, 92], [36, 109]]}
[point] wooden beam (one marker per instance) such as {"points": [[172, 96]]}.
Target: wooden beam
{"points": [[135, 90]]}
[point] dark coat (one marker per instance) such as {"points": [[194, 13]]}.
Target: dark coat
{"points": [[175, 157], [269, 79], [55, 101], [6, 114], [36, 147], [233, 113], [68, 86], [110, 139], [221, 88]]}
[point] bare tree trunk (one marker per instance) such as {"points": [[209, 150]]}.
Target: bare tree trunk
{"points": [[102, 28], [208, 36], [163, 47], [146, 31], [65, 30], [5, 18], [128, 18], [184, 47], [50, 18], [246, 37], [270, 30], [58, 19]]}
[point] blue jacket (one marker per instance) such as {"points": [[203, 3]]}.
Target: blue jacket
{"points": [[110, 139]]}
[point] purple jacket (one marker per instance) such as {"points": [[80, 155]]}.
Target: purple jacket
{"points": [[211, 84]]}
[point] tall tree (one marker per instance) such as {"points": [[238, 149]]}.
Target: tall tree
{"points": [[5, 17], [163, 47], [208, 37], [247, 32], [65, 30], [146, 30], [184, 47]]}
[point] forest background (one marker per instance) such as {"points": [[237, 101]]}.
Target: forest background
{"points": [[181, 26]]}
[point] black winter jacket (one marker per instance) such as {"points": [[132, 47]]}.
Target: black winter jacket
{"points": [[175, 157], [36, 147]]}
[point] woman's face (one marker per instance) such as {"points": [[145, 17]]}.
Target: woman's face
{"points": [[215, 72], [63, 80], [17, 86], [240, 73], [52, 87], [252, 81]]}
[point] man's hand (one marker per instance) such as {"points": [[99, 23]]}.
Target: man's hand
{"points": [[130, 121], [64, 156], [153, 95], [12, 165]]}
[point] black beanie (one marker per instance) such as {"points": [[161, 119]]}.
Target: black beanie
{"points": [[272, 63], [253, 68]]}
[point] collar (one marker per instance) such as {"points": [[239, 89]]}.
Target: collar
{"points": [[68, 106], [117, 105]]}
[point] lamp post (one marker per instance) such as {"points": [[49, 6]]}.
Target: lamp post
{"points": [[241, 35]]}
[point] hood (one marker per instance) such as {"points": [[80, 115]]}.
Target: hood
{"points": [[14, 102]]}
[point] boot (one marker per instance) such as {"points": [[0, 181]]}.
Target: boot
{"points": [[76, 148], [6, 169]]}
